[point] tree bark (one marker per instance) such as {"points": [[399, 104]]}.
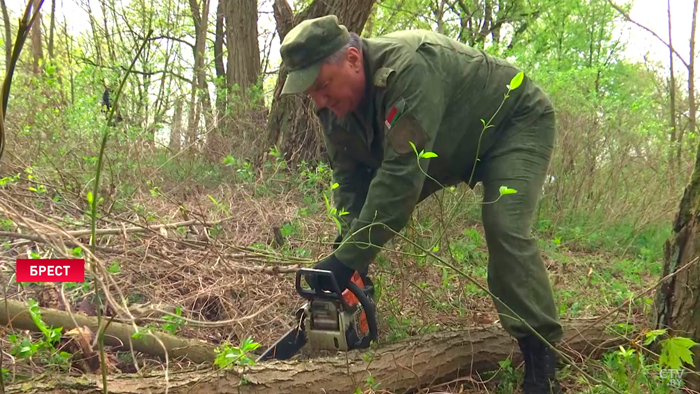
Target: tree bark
{"points": [[292, 124], [678, 306], [410, 363]]}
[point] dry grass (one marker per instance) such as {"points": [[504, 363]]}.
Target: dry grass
{"points": [[223, 278]]}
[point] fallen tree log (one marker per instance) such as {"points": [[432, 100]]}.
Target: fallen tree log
{"points": [[118, 335], [398, 367]]}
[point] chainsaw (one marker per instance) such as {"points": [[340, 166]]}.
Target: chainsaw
{"points": [[330, 320]]}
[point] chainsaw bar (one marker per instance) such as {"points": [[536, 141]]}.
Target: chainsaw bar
{"points": [[285, 347]]}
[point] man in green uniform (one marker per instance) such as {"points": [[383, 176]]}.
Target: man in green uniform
{"points": [[375, 98]]}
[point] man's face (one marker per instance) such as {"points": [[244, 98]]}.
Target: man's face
{"points": [[340, 86]]}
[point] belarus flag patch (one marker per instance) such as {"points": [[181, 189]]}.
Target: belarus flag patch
{"points": [[393, 113]]}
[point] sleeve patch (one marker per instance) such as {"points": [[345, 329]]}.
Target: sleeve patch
{"points": [[405, 130]]}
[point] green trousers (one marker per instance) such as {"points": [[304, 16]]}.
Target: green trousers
{"points": [[516, 271]]}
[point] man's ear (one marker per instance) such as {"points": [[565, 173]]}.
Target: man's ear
{"points": [[354, 56]]}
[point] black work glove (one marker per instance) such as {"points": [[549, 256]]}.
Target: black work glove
{"points": [[341, 272]]}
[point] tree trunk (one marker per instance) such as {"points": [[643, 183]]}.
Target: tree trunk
{"points": [[108, 36], [242, 73], [68, 53], [52, 28], [118, 335], [678, 304], [672, 89], [37, 52], [439, 13], [176, 128], [242, 44], [369, 25], [219, 62], [95, 36], [292, 124], [487, 22], [201, 90], [192, 117], [692, 116], [162, 102], [221, 117], [410, 363], [8, 33]]}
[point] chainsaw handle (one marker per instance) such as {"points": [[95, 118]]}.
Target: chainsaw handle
{"points": [[370, 311], [317, 293]]}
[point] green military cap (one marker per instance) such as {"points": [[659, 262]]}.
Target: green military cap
{"points": [[306, 46]]}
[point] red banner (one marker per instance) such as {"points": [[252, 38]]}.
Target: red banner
{"points": [[51, 270]]}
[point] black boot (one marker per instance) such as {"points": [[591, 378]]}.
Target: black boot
{"points": [[540, 366]]}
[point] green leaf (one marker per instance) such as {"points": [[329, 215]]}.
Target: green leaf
{"points": [[652, 335], [334, 186], [675, 351], [249, 345], [516, 81], [114, 268], [428, 155], [89, 198], [228, 160], [414, 147], [506, 190]]}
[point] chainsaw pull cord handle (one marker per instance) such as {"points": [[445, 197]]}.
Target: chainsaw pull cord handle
{"points": [[370, 312]]}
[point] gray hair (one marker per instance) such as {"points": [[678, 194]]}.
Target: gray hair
{"points": [[339, 55]]}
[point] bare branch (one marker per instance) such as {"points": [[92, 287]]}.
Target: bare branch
{"points": [[146, 73], [629, 19]]}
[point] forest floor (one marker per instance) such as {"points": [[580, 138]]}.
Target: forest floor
{"points": [[230, 269]]}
